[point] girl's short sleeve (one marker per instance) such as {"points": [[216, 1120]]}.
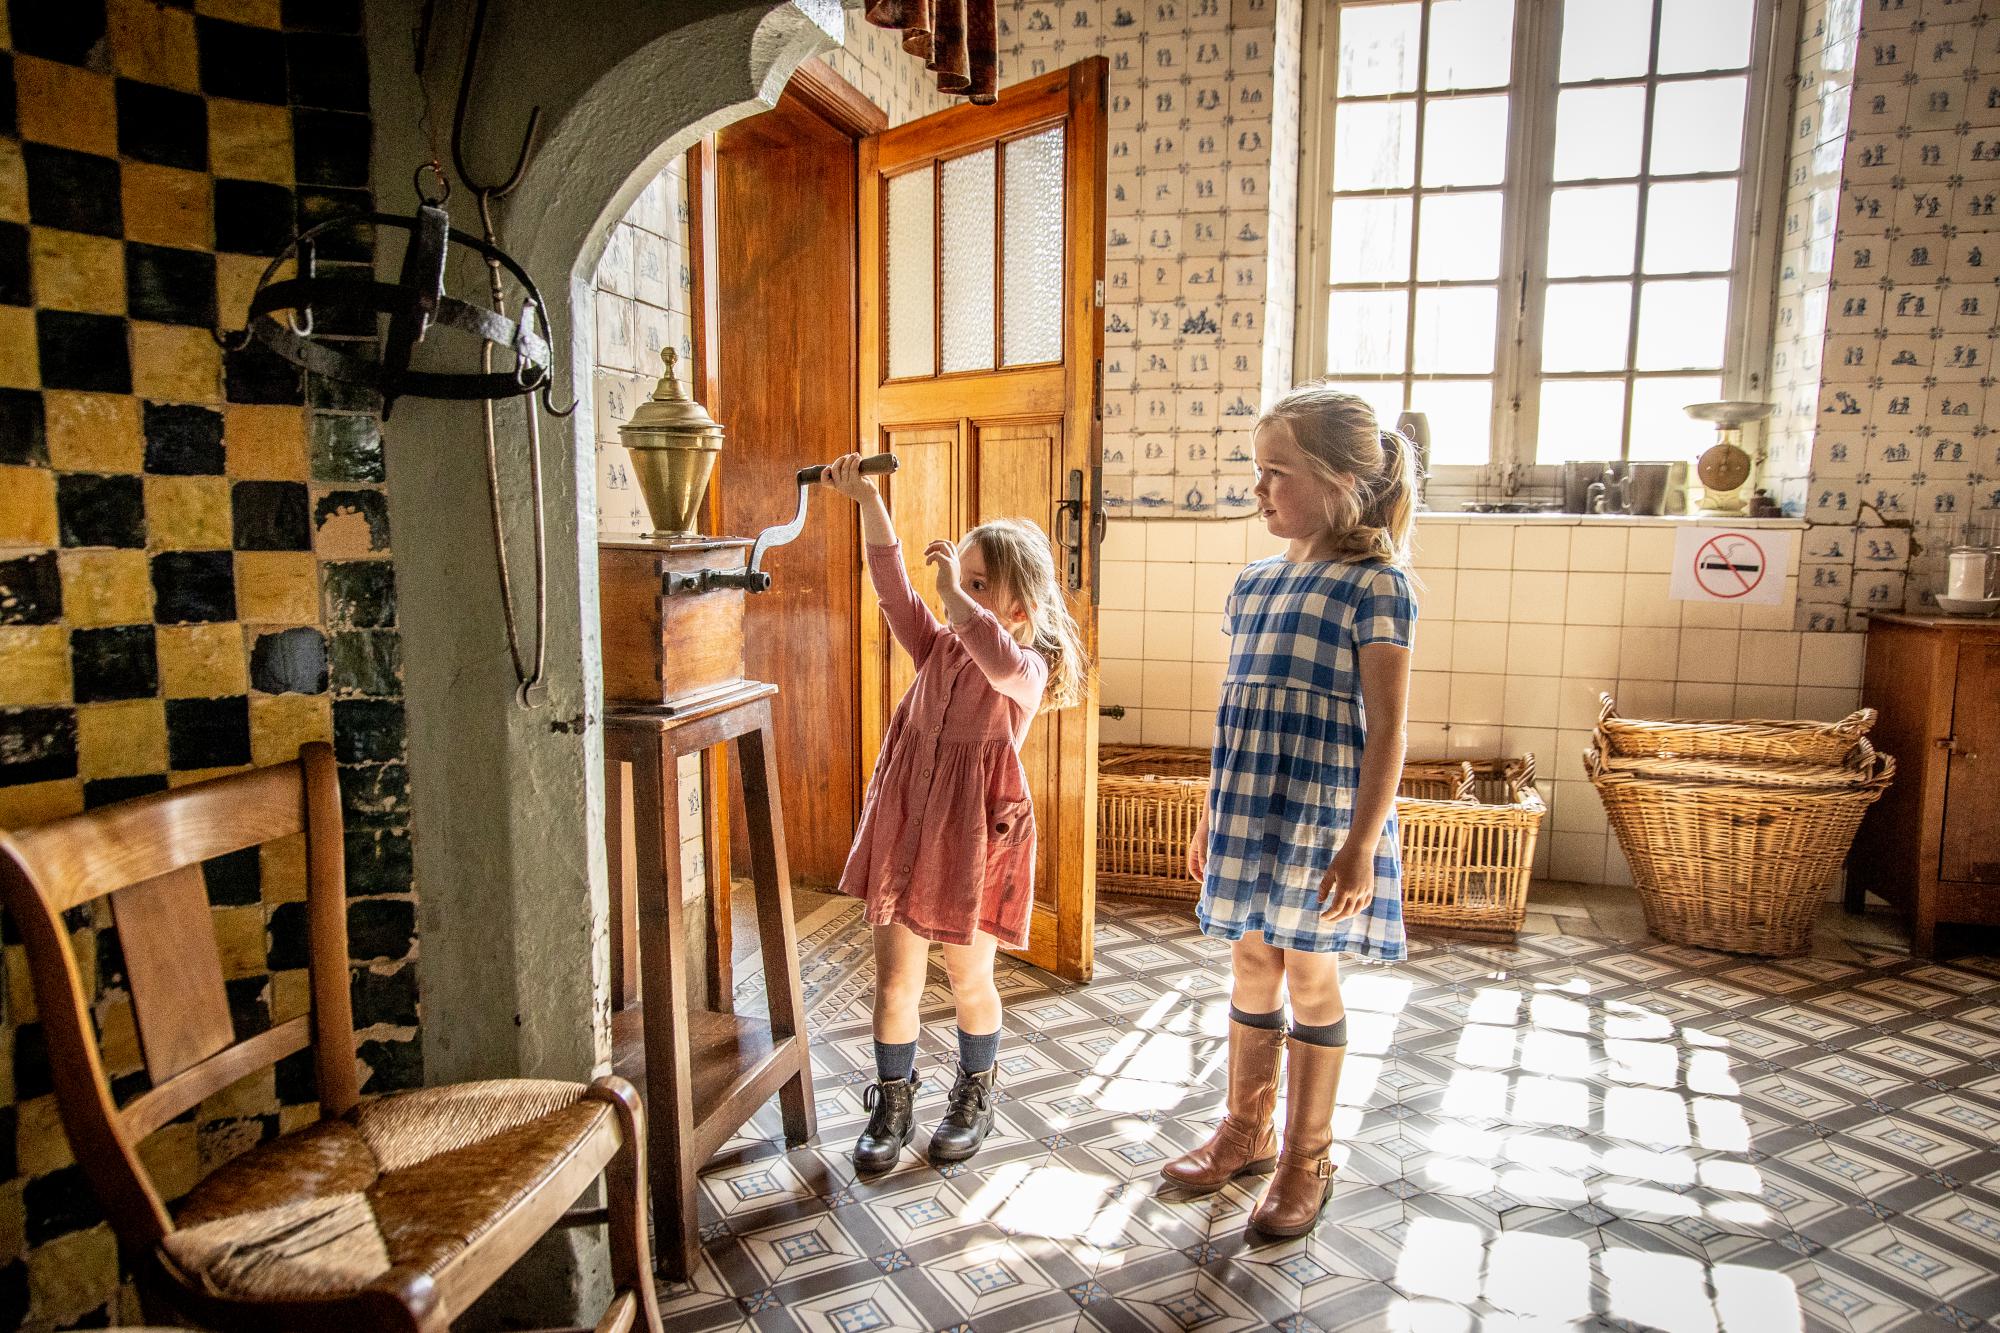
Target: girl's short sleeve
{"points": [[1388, 610]]}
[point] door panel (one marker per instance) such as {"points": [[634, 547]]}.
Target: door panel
{"points": [[982, 230], [1971, 849]]}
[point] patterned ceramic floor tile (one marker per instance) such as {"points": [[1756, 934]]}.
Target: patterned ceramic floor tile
{"points": [[1565, 1133]]}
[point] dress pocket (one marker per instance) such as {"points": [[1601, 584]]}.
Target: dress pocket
{"points": [[1010, 822]]}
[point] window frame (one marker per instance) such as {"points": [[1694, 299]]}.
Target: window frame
{"points": [[1526, 195]]}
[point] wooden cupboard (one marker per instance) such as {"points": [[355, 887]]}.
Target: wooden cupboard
{"points": [[1931, 845]]}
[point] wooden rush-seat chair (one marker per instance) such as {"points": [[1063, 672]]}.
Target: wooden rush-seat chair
{"points": [[388, 1214]]}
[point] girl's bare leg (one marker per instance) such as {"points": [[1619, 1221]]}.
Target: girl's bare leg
{"points": [[901, 957], [970, 967], [1258, 971], [1313, 980]]}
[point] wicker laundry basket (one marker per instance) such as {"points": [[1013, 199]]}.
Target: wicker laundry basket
{"points": [[1467, 832], [1802, 742], [1721, 861]]}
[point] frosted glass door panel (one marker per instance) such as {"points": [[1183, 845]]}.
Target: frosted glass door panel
{"points": [[1605, 39], [1032, 257], [967, 203], [912, 270], [1378, 49]]}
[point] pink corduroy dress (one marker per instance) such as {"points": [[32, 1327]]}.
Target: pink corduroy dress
{"points": [[946, 845]]}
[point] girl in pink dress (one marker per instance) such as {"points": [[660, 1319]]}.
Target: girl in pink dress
{"points": [[946, 848]]}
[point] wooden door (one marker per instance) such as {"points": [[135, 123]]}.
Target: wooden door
{"points": [[982, 243], [1971, 848], [785, 320]]}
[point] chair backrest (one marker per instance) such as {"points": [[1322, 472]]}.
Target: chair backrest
{"points": [[146, 856]]}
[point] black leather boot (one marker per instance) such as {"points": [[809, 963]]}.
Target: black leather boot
{"points": [[968, 1117], [891, 1122]]}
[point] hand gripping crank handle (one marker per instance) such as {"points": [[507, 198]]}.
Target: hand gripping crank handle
{"points": [[871, 466], [752, 578]]}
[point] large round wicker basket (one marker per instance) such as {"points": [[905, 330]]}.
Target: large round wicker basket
{"points": [[1754, 741], [1724, 863]]}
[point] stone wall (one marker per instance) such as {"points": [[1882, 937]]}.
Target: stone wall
{"points": [[194, 548]]}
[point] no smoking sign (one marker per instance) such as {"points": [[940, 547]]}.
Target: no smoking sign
{"points": [[1731, 565]]}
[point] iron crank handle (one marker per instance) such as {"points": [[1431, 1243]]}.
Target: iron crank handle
{"points": [[752, 578], [873, 465]]}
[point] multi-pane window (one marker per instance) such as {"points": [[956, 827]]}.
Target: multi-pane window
{"points": [[1533, 221]]}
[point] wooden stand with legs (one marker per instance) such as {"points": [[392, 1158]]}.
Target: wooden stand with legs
{"points": [[703, 1073]]}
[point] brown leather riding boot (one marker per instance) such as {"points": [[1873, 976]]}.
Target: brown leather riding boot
{"points": [[1244, 1142], [1298, 1188]]}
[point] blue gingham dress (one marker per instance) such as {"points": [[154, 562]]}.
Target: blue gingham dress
{"points": [[1287, 755]]}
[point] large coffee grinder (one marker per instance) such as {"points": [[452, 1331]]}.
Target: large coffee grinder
{"points": [[672, 600]]}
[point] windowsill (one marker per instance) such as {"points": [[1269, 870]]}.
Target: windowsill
{"points": [[1598, 520]]}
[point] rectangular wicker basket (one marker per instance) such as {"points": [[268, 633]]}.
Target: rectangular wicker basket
{"points": [[1467, 832]]}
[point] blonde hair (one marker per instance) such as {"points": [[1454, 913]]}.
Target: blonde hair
{"points": [[1371, 473], [1021, 565]]}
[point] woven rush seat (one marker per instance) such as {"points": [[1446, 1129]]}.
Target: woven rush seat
{"points": [[405, 1182]]}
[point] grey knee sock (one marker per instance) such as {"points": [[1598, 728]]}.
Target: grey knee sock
{"points": [[894, 1060]]}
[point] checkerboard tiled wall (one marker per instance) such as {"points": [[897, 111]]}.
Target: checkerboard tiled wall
{"points": [[194, 547]]}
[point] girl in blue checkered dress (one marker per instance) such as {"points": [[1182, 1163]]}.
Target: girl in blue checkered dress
{"points": [[1296, 851]]}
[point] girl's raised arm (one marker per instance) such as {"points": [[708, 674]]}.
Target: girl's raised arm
{"points": [[909, 619], [1021, 674]]}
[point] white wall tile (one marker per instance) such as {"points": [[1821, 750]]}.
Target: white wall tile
{"points": [[1121, 633], [1649, 550], [1478, 647], [1222, 541], [1576, 857], [1169, 636], [1567, 761], [1437, 595], [1578, 700], [1538, 596], [1648, 653], [1212, 583], [1599, 548], [1647, 603], [1430, 696], [1534, 650], [1541, 546], [1473, 741], [1709, 655], [1170, 587], [1164, 726], [1577, 809], [1595, 599], [1210, 643], [1834, 660], [1124, 585], [1695, 699], [1119, 680], [1711, 615], [1483, 594], [1830, 704], [1206, 686], [1170, 540], [1644, 698], [1531, 701], [1436, 544], [1591, 650], [1124, 539], [1262, 544], [1766, 701], [1477, 700], [1427, 740], [1432, 651], [1770, 658], [1167, 685], [1486, 546]]}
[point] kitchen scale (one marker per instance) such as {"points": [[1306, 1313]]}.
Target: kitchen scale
{"points": [[1724, 467]]}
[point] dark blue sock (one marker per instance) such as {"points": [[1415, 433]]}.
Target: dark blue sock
{"points": [[976, 1054], [1273, 1021], [1327, 1034], [894, 1060]]}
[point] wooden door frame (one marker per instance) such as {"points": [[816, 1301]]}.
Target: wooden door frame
{"points": [[1074, 94], [847, 110]]}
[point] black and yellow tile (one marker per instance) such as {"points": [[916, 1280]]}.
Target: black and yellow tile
{"points": [[194, 562]]}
